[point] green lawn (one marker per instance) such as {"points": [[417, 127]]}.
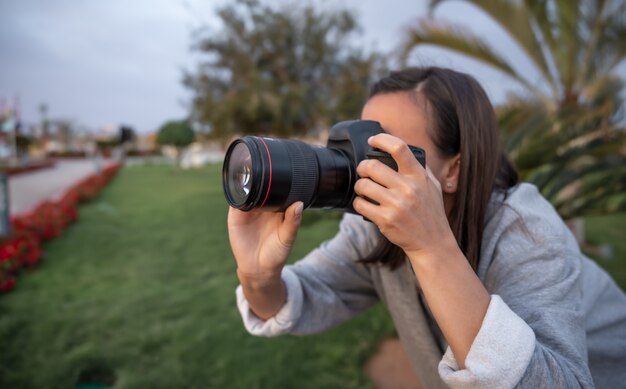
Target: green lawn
{"points": [[141, 292], [610, 230], [142, 289]]}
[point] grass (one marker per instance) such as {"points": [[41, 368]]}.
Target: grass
{"points": [[140, 294], [610, 230]]}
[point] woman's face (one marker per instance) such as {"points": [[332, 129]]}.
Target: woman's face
{"points": [[400, 115]]}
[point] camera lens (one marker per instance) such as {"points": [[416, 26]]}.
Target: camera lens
{"points": [[272, 174], [240, 173]]}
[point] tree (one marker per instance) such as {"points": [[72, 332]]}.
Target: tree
{"points": [[177, 133], [126, 134], [569, 136], [22, 143], [279, 71]]}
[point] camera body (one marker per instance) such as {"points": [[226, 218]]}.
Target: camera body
{"points": [[351, 137], [271, 174]]}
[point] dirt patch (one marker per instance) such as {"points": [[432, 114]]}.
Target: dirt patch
{"points": [[389, 367]]}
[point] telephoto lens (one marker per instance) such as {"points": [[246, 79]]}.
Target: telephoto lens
{"points": [[271, 174]]}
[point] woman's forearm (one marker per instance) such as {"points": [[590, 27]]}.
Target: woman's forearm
{"points": [[455, 296], [265, 296]]}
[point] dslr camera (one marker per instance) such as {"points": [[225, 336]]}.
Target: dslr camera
{"points": [[271, 173]]}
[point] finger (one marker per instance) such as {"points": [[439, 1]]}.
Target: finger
{"points": [[378, 172], [431, 176], [367, 209], [371, 190], [237, 217], [399, 151], [288, 229]]}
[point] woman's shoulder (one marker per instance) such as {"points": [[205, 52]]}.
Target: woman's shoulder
{"points": [[523, 205], [521, 224]]}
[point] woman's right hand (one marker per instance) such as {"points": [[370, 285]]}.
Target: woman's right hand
{"points": [[262, 241]]}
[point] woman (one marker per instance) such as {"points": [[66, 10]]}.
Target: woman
{"points": [[484, 282]]}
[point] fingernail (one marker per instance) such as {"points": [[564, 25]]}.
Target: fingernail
{"points": [[298, 210]]}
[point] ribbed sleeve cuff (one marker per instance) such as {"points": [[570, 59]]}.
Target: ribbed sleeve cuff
{"points": [[282, 322], [499, 355]]}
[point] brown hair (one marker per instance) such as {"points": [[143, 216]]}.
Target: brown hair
{"points": [[461, 120]]}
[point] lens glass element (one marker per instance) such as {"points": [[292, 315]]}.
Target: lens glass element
{"points": [[239, 173]]}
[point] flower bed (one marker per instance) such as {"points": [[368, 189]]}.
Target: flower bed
{"points": [[15, 170], [23, 249]]}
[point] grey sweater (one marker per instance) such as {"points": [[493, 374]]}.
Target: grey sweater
{"points": [[555, 318]]}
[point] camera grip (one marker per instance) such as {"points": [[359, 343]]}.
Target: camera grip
{"points": [[387, 159], [384, 157]]}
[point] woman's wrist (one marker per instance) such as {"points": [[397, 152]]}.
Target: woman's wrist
{"points": [[259, 280], [445, 251], [266, 293]]}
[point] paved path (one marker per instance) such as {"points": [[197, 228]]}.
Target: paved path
{"points": [[26, 190]]}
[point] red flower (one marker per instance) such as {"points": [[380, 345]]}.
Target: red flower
{"points": [[6, 284], [5, 253]]}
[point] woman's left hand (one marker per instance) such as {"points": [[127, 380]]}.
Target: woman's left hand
{"points": [[410, 210]]}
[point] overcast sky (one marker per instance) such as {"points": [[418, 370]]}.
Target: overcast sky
{"points": [[106, 63]]}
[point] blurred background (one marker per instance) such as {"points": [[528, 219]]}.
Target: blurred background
{"points": [[115, 269]]}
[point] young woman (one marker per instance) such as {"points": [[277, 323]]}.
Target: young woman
{"points": [[484, 282]]}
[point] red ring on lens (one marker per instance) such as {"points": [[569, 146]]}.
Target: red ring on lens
{"points": [[269, 185]]}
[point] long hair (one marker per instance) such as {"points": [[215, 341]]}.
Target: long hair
{"points": [[461, 120]]}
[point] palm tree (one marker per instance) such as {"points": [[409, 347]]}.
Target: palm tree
{"points": [[567, 136]]}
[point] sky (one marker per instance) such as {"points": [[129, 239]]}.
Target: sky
{"points": [[102, 64]]}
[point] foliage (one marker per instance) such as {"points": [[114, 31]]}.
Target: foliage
{"points": [[575, 154], [567, 133], [286, 71], [21, 249], [12, 170], [609, 231], [107, 144], [22, 142], [177, 133]]}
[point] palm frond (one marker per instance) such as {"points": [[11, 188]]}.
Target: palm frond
{"points": [[581, 168], [516, 19], [594, 23], [520, 120], [543, 22], [611, 48], [567, 13], [461, 40], [599, 193]]}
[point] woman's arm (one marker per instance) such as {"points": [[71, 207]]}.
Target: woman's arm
{"points": [[455, 296], [325, 288], [411, 214]]}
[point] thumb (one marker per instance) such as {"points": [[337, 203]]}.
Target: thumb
{"points": [[288, 229]]}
